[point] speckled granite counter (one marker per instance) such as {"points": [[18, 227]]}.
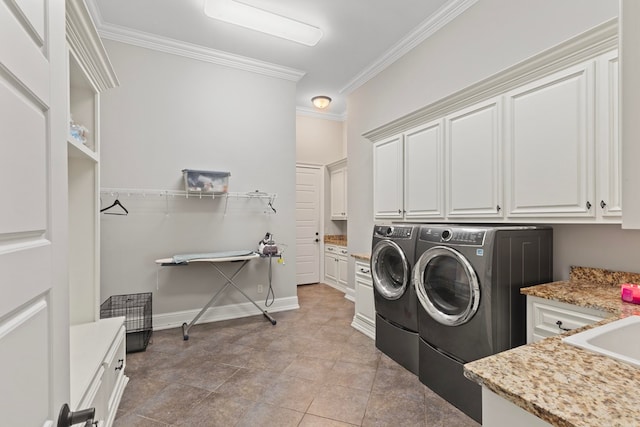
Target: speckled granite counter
{"points": [[562, 384], [335, 239], [362, 257]]}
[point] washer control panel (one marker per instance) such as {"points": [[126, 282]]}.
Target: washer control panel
{"points": [[393, 231], [459, 236]]}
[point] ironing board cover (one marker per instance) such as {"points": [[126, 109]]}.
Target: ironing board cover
{"points": [[181, 258]]}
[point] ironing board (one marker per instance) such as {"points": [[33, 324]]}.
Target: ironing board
{"points": [[213, 259]]}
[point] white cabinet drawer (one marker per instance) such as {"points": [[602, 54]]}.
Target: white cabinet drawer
{"points": [[114, 364], [546, 318]]}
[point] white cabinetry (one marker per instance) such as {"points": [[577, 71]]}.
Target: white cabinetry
{"points": [[550, 145], [408, 174], [97, 346], [365, 312], [474, 161], [608, 143], [546, 318], [338, 179], [336, 267]]}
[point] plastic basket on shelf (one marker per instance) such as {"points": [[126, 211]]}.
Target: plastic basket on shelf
{"points": [[137, 311], [206, 182]]}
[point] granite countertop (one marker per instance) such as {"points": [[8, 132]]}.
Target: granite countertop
{"points": [[362, 257], [335, 239], [562, 384]]}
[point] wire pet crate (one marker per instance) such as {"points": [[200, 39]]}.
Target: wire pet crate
{"points": [[136, 308]]}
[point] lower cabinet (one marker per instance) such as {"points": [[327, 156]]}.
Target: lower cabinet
{"points": [[365, 312], [546, 318], [499, 412], [336, 267], [98, 361]]}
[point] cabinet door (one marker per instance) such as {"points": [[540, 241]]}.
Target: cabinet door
{"points": [[365, 304], [550, 145], [387, 178], [474, 162], [609, 159], [343, 268], [338, 194], [423, 172], [330, 265]]}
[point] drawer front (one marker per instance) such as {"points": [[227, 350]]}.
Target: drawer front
{"points": [[114, 364], [552, 319], [363, 272]]}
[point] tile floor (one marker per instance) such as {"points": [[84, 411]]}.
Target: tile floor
{"points": [[311, 369]]}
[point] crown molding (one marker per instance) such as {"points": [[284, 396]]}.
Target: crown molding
{"points": [[310, 112], [189, 50], [442, 17], [85, 43]]}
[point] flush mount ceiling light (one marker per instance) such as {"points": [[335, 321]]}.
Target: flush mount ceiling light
{"points": [[321, 101], [241, 14]]}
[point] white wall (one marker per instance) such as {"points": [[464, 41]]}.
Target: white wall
{"points": [[171, 113], [321, 142], [488, 37]]}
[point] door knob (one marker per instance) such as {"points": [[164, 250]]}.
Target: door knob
{"points": [[67, 418]]}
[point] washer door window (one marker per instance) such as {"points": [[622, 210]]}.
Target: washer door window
{"points": [[389, 269], [446, 285]]}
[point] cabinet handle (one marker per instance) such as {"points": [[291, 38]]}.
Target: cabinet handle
{"points": [[317, 240], [365, 270], [120, 364], [588, 205], [498, 208], [602, 204], [399, 211], [559, 323], [330, 249]]}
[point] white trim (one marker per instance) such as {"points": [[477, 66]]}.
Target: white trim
{"points": [[350, 294], [225, 312], [364, 325], [310, 112], [85, 42], [588, 45], [442, 17]]}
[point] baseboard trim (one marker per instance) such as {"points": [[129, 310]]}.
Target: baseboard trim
{"points": [[350, 294], [364, 325], [224, 312]]}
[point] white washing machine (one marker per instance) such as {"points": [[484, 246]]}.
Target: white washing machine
{"points": [[468, 280]]}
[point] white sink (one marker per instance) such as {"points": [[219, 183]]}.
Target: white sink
{"points": [[618, 340]]}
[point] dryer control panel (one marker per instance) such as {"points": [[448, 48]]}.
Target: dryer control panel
{"points": [[458, 236], [396, 232]]}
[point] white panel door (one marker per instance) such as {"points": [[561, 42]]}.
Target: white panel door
{"points": [[550, 145], [387, 178], [34, 323], [307, 224], [473, 161], [423, 172]]}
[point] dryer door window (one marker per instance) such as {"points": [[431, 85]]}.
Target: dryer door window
{"points": [[447, 286], [389, 269]]}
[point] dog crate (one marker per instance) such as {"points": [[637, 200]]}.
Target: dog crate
{"points": [[136, 309]]}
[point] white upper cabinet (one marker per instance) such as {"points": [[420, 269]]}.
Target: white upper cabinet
{"points": [[608, 150], [423, 172], [387, 178], [408, 174], [550, 145], [338, 179], [473, 141]]}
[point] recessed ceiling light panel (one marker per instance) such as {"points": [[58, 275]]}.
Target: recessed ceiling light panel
{"points": [[241, 14]]}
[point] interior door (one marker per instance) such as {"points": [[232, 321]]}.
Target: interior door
{"points": [[34, 325], [307, 224]]}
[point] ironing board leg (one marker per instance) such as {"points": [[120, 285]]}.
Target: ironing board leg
{"points": [[185, 326], [230, 281]]}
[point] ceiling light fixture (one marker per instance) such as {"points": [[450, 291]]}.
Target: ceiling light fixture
{"points": [[321, 101], [241, 14]]}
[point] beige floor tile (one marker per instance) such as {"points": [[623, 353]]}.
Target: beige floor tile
{"points": [[217, 410], [172, 404], [264, 415], [340, 404], [314, 421], [309, 368], [291, 393]]}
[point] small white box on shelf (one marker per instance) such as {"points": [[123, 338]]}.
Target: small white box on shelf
{"points": [[206, 182]]}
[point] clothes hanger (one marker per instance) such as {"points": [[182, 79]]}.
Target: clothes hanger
{"points": [[115, 203]]}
